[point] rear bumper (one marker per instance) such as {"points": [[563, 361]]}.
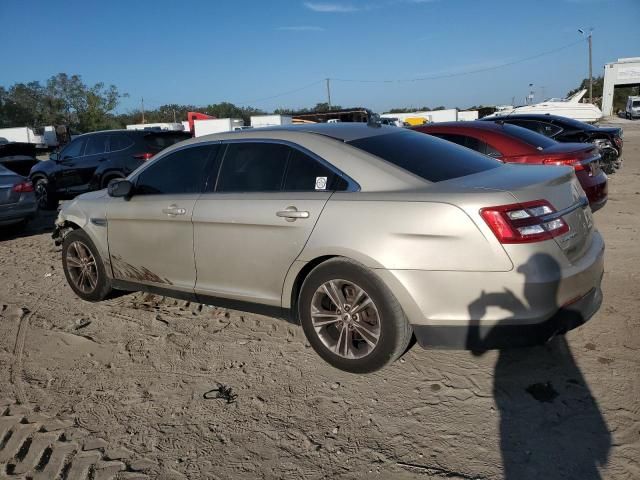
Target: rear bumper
{"points": [[596, 188], [543, 295], [17, 212], [477, 337]]}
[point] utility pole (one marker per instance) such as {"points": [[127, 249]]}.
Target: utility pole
{"points": [[329, 93], [174, 116], [590, 72], [589, 41], [142, 103]]}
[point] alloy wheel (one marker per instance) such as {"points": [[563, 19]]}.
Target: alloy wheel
{"points": [[82, 267], [345, 319], [42, 195]]}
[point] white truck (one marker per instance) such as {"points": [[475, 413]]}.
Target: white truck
{"points": [[217, 125], [632, 110], [167, 126], [258, 121], [47, 140]]}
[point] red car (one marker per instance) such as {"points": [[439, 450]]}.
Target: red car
{"points": [[513, 144]]}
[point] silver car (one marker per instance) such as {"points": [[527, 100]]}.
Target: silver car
{"points": [[17, 199], [367, 235]]}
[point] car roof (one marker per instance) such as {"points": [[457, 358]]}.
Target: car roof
{"points": [[343, 131], [126, 130]]}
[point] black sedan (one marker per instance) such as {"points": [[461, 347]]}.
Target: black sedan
{"points": [[568, 130]]}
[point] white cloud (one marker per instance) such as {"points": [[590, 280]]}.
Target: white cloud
{"points": [[330, 7], [301, 28]]}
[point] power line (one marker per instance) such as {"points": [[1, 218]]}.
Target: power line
{"points": [[280, 94], [459, 74]]}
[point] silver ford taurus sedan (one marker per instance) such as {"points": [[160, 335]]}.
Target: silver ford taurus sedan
{"points": [[367, 235]]}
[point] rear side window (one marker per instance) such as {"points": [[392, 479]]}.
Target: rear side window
{"points": [[119, 142], [430, 158], [543, 128], [527, 136], [159, 141], [177, 173], [253, 167], [306, 174], [95, 145]]}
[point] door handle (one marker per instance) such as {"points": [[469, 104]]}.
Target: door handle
{"points": [[173, 210], [291, 214]]}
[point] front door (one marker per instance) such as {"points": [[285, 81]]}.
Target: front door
{"points": [[84, 167], [151, 235], [249, 231]]}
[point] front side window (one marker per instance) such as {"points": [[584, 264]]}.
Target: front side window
{"points": [[74, 149], [253, 167], [95, 145], [180, 172]]}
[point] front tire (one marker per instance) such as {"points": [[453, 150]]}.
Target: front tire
{"points": [[83, 267], [351, 318]]}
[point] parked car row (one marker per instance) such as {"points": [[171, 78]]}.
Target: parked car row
{"points": [[514, 144], [368, 235], [567, 130]]}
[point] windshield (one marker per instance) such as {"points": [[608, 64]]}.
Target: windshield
{"points": [[527, 136], [428, 157], [636, 103]]}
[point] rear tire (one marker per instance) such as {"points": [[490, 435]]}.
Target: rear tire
{"points": [[83, 267], [45, 197], [373, 335]]}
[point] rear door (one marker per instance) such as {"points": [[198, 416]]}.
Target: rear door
{"points": [[254, 224], [151, 235]]}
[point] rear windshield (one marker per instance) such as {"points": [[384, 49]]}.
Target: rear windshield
{"points": [[160, 141], [426, 156], [528, 136]]}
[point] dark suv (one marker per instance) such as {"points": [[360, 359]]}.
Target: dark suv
{"points": [[92, 160]]}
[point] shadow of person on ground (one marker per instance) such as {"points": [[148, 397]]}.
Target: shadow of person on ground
{"points": [[550, 423]]}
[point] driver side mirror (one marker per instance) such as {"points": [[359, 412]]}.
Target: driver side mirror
{"points": [[119, 187], [55, 157]]}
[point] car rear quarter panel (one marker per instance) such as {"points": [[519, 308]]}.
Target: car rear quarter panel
{"points": [[404, 235]]}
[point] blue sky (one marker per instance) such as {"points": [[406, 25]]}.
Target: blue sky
{"points": [[200, 52]]}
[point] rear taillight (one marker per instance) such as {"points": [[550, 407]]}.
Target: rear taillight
{"points": [[143, 156], [23, 187], [571, 162], [618, 141], [524, 222]]}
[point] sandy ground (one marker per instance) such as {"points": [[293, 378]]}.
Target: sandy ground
{"points": [[125, 388]]}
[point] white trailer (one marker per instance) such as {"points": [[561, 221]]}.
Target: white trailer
{"points": [[258, 121], [167, 126], [216, 125], [468, 115], [22, 135]]}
